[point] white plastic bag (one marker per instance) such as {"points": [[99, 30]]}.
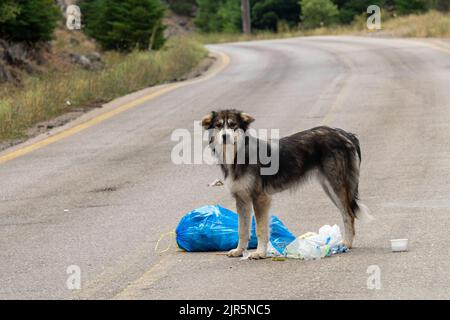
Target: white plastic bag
{"points": [[315, 246]]}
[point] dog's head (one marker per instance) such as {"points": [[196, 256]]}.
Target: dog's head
{"points": [[227, 130]]}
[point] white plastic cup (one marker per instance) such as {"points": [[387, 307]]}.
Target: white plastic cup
{"points": [[399, 245]]}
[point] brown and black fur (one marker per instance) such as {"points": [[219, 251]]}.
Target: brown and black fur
{"points": [[331, 155]]}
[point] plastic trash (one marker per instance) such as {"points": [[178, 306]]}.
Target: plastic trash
{"points": [[214, 228], [216, 183], [315, 246]]}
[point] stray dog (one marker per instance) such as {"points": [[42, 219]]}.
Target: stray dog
{"points": [[331, 155]]}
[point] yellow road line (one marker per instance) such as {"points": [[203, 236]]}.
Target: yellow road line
{"points": [[225, 60]]}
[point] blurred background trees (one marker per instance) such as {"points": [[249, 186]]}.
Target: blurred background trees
{"points": [[318, 13], [28, 20], [278, 15], [128, 24], [124, 25]]}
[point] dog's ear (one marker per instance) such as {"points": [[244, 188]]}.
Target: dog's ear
{"points": [[208, 119], [246, 118]]}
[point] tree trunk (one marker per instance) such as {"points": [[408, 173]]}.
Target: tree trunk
{"points": [[246, 23]]}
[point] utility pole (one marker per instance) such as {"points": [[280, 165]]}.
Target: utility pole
{"points": [[246, 23]]}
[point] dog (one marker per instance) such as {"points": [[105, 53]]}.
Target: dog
{"points": [[331, 155]]}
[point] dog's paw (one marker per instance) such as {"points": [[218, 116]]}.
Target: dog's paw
{"points": [[347, 244], [238, 252], [257, 255]]}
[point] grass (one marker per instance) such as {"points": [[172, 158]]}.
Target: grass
{"points": [[43, 98], [430, 24]]}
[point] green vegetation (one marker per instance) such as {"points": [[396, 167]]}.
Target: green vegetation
{"points": [[404, 7], [318, 13], [124, 25], [8, 10], [350, 9], [219, 16], [224, 16], [275, 14], [183, 7], [44, 98], [431, 24], [28, 20]]}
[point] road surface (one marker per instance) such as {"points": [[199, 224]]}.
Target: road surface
{"points": [[101, 197]]}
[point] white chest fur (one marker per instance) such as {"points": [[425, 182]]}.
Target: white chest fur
{"points": [[243, 185]]}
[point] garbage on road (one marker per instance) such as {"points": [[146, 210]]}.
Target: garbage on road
{"points": [[214, 228], [316, 245], [399, 245], [216, 183]]}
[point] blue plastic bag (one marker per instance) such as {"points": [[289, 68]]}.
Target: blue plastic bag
{"points": [[214, 228]]}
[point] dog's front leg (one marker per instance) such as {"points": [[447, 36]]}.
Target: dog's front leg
{"points": [[244, 209], [261, 204]]}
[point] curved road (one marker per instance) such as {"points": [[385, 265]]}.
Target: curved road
{"points": [[101, 198]]}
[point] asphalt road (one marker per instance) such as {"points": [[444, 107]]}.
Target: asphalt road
{"points": [[100, 198]]}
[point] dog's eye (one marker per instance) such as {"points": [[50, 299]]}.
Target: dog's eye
{"points": [[232, 124], [219, 125]]}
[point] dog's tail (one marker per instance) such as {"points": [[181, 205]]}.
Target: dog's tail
{"points": [[361, 211]]}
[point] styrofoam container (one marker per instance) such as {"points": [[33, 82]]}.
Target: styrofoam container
{"points": [[399, 245]]}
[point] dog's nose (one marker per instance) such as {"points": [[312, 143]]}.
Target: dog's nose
{"points": [[226, 138]]}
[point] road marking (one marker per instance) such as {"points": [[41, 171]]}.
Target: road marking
{"points": [[151, 276], [225, 61]]}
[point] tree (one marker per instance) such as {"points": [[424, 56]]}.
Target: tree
{"points": [[183, 7], [441, 5], [28, 20], [317, 13], [219, 16], [124, 25], [348, 9], [267, 14], [226, 15], [246, 16], [8, 10], [409, 6]]}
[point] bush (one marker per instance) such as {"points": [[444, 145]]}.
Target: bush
{"points": [[268, 14], [183, 7], [409, 6], [8, 10], [45, 97], [219, 15], [28, 20], [349, 9], [226, 16], [441, 5], [124, 25], [317, 13]]}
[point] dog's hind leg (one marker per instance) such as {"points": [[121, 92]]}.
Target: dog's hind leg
{"points": [[261, 204], [342, 204], [339, 179], [348, 216], [244, 209]]}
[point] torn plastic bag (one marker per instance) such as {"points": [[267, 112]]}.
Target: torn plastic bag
{"points": [[315, 246], [214, 228]]}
